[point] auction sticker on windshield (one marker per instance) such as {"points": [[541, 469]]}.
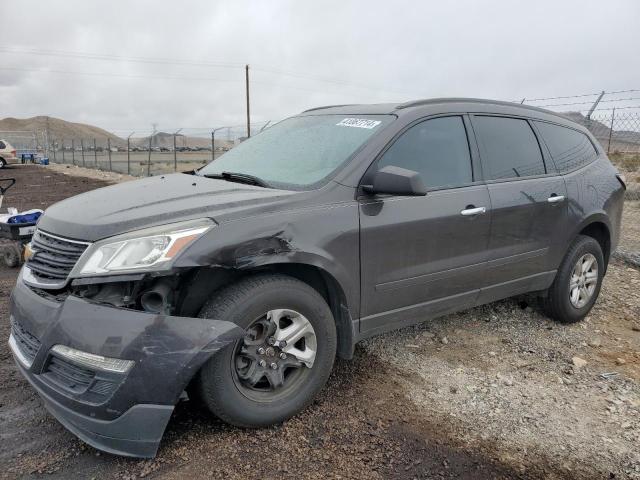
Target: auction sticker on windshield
{"points": [[359, 123]]}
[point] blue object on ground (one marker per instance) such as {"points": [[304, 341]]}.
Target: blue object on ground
{"points": [[44, 161], [27, 218]]}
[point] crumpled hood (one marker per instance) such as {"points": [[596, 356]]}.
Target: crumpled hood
{"points": [[153, 201]]}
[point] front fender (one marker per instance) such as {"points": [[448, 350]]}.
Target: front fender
{"points": [[325, 237]]}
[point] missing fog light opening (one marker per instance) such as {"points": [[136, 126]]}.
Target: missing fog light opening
{"points": [[93, 361]]}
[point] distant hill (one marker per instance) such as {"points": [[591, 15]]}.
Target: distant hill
{"points": [[57, 128]]}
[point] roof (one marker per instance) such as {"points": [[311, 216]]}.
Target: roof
{"points": [[470, 104]]}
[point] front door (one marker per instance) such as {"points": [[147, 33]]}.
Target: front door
{"points": [[425, 255]]}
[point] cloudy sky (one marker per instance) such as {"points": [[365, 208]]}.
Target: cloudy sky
{"points": [[123, 65]]}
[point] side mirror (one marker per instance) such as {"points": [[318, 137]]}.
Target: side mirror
{"points": [[396, 181]]}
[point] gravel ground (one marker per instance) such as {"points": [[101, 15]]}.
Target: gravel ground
{"points": [[498, 391]]}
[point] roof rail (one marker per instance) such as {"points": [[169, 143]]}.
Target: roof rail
{"points": [[431, 101], [328, 106]]}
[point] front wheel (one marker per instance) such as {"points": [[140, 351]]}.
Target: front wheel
{"points": [[284, 358], [578, 280]]}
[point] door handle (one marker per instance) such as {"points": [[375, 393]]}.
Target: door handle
{"points": [[471, 210], [555, 198]]}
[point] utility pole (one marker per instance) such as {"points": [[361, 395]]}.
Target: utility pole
{"points": [[246, 78]]}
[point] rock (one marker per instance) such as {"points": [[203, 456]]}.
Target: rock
{"points": [[444, 340], [492, 354], [595, 343], [620, 361], [579, 362], [453, 389]]}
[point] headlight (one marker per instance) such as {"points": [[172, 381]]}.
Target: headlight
{"points": [[148, 249]]}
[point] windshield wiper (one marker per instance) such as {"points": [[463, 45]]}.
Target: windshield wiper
{"points": [[239, 178]]}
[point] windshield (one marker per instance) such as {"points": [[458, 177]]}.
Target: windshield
{"points": [[299, 152]]}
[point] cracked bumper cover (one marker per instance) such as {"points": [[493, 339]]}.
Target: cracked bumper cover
{"points": [[129, 415]]}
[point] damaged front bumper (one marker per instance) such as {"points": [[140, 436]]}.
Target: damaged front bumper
{"points": [[121, 412]]}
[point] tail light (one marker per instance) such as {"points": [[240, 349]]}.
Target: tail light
{"points": [[622, 179], [13, 153]]}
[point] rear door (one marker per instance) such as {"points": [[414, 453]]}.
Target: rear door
{"points": [[425, 255], [528, 201]]}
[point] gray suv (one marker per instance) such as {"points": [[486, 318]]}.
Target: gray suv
{"points": [[240, 282]]}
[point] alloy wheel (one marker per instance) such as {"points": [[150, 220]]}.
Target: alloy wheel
{"points": [[583, 281], [275, 355]]}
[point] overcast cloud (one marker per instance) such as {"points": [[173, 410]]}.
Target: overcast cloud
{"points": [[371, 51]]}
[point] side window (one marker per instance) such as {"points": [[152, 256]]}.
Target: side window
{"points": [[509, 148], [438, 149], [2, 145], [569, 148]]}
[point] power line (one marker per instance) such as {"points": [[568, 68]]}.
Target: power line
{"points": [[160, 77], [171, 61], [119, 58]]}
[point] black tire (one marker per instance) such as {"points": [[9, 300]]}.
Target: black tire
{"points": [[216, 384], [3, 163], [557, 303]]}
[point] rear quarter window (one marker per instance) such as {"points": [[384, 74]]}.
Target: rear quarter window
{"points": [[569, 148], [2, 145]]}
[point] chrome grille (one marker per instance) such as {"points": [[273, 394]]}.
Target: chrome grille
{"points": [[53, 257]]}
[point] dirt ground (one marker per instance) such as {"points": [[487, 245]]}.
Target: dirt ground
{"points": [[492, 392]]}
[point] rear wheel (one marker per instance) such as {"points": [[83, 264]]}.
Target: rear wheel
{"points": [[3, 163], [284, 358], [577, 284]]}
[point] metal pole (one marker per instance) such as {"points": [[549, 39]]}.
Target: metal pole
{"points": [[175, 153], [246, 78], [54, 151], [149, 162], [95, 154], [109, 149], [129, 155], [595, 104], [613, 114], [63, 151], [522, 101], [73, 151], [82, 150], [213, 145]]}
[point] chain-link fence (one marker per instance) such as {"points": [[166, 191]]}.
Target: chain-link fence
{"points": [[618, 133], [156, 152], [151, 154]]}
